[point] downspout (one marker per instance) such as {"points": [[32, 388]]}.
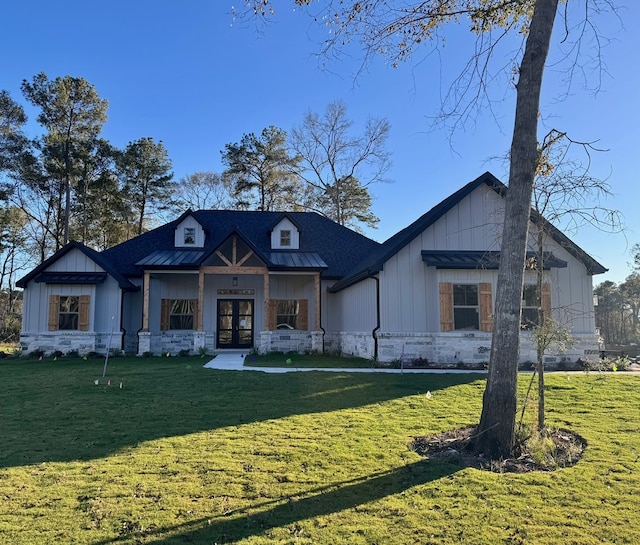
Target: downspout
{"points": [[374, 333]]}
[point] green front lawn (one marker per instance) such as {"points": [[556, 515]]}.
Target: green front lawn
{"points": [[182, 454]]}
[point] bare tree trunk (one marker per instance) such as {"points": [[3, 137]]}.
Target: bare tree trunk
{"points": [[495, 433]]}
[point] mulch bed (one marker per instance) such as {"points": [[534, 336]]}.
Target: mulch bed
{"points": [[560, 448]]}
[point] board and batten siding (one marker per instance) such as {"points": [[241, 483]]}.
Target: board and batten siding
{"points": [[352, 309], [409, 289], [104, 303]]}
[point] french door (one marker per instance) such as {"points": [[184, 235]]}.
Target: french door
{"points": [[235, 323]]}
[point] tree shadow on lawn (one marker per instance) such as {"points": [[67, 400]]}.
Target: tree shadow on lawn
{"points": [[54, 412], [285, 511]]}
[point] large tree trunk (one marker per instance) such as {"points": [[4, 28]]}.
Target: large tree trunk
{"points": [[495, 433]]}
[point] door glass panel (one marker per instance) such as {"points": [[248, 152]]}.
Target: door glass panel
{"points": [[245, 307], [226, 322], [226, 307], [224, 337], [244, 336], [246, 322]]}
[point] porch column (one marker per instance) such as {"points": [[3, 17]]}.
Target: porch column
{"points": [[267, 315], [145, 301], [317, 305], [200, 307]]}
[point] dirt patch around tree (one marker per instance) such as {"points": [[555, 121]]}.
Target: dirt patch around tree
{"points": [[548, 450]]}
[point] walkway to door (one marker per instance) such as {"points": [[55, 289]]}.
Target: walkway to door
{"points": [[233, 360]]}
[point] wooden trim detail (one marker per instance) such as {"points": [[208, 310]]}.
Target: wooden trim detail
{"points": [[302, 323], [145, 301], [165, 313], [54, 308], [486, 312], [83, 313], [234, 269], [446, 306], [200, 303]]}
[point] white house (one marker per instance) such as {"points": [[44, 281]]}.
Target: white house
{"points": [[296, 281]]}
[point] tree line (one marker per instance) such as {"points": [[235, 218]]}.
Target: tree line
{"points": [[618, 307], [70, 183]]}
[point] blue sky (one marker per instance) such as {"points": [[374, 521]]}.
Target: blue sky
{"points": [[190, 75]]}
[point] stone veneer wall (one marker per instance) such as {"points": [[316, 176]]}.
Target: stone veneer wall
{"points": [[166, 342], [456, 349], [82, 342], [288, 340]]}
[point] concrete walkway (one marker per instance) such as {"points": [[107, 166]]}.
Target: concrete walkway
{"points": [[234, 361]]}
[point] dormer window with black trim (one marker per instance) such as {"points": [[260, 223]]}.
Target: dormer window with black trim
{"points": [[285, 238], [189, 235]]}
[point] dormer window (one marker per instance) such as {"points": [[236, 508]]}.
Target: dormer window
{"points": [[285, 235], [189, 235], [285, 238]]}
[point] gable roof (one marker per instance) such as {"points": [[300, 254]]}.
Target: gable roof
{"points": [[374, 263], [96, 257], [323, 243]]}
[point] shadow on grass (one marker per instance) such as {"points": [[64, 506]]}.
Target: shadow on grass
{"points": [[53, 411], [235, 526]]}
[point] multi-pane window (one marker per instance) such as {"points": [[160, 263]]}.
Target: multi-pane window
{"points": [[285, 237], [68, 312], [529, 317], [178, 313], [465, 306], [189, 235], [287, 314]]}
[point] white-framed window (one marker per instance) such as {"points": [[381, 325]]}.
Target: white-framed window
{"points": [[529, 317], [189, 235], [285, 237], [466, 310]]}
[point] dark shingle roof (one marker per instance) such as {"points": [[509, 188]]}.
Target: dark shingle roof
{"points": [[374, 263], [323, 243]]}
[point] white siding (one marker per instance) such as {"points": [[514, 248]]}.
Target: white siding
{"points": [[409, 294], [104, 298], [352, 309], [285, 225], [189, 221]]}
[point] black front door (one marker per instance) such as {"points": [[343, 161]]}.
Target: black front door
{"points": [[235, 323]]}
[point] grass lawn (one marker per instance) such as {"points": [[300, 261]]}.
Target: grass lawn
{"points": [[186, 455]]}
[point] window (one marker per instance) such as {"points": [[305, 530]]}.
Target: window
{"points": [[287, 314], [465, 306], [68, 312], [189, 235], [285, 237], [529, 318], [178, 314]]}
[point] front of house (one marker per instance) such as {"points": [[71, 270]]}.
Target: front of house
{"points": [[268, 281]]}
